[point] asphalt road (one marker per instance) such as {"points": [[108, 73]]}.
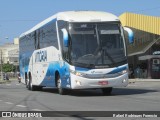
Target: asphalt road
{"points": [[139, 96]]}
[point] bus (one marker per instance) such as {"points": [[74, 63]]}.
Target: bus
{"points": [[75, 50]]}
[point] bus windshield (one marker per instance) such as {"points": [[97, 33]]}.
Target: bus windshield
{"points": [[97, 45]]}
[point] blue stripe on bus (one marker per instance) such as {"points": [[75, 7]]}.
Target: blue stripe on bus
{"points": [[118, 69], [82, 69], [49, 79], [115, 70]]}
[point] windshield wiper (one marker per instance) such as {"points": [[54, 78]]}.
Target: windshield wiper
{"points": [[108, 55], [90, 65], [103, 53]]}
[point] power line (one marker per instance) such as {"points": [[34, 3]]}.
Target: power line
{"points": [[10, 20]]}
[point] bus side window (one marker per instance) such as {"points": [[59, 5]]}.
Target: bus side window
{"points": [[36, 39]]}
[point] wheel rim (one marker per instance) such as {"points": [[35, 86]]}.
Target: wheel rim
{"points": [[59, 84], [30, 84], [27, 83]]}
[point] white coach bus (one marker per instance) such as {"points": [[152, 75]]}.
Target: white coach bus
{"points": [[75, 50]]}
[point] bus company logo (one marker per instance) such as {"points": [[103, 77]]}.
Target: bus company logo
{"points": [[96, 72], [41, 56], [92, 72]]}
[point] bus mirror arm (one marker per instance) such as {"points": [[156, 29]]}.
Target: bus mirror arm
{"points": [[65, 37], [130, 34]]}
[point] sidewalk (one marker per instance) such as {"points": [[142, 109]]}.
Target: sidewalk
{"points": [[7, 81], [143, 80], [4, 81]]}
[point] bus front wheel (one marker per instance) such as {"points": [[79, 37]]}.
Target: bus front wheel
{"points": [[61, 90]]}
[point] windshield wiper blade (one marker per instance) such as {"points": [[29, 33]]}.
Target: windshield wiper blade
{"points": [[109, 56], [90, 65]]}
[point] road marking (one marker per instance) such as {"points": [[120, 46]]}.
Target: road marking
{"points": [[37, 110], [21, 106], [8, 103]]}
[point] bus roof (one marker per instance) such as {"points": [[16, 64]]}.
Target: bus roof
{"points": [[76, 16]]}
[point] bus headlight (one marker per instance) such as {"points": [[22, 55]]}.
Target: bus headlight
{"points": [[124, 72], [124, 81], [78, 82], [77, 73]]}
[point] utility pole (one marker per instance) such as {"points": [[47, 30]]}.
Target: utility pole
{"points": [[1, 66]]}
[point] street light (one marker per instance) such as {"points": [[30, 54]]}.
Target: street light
{"points": [[6, 38], [2, 61]]}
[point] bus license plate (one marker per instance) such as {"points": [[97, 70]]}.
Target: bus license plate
{"points": [[103, 82]]}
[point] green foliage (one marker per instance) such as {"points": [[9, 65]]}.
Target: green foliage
{"points": [[8, 68]]}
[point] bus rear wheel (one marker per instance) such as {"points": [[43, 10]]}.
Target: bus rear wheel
{"points": [[30, 85], [107, 91]]}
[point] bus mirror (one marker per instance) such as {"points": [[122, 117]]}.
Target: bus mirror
{"points": [[130, 34], [65, 37]]}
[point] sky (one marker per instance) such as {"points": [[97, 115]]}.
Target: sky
{"points": [[18, 16]]}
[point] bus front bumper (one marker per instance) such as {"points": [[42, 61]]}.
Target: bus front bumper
{"points": [[78, 82]]}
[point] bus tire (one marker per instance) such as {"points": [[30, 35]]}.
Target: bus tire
{"points": [[27, 83], [107, 91], [61, 90], [26, 80], [30, 85]]}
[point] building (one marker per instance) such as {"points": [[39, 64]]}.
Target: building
{"points": [[145, 51], [10, 53]]}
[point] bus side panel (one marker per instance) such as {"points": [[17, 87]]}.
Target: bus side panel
{"points": [[45, 66], [42, 67], [26, 48], [33, 47], [24, 66], [62, 68]]}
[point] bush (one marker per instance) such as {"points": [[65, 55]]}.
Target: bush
{"points": [[8, 68]]}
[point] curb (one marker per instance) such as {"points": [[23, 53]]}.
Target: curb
{"points": [[143, 80]]}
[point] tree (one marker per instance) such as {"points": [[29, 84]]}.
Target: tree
{"points": [[8, 68]]}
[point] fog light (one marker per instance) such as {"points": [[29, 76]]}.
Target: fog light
{"points": [[78, 82], [124, 80]]}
